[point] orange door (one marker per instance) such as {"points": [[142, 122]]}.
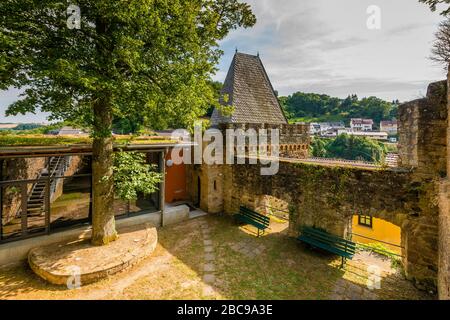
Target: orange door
{"points": [[175, 181]]}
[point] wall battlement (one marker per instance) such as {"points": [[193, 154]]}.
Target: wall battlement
{"points": [[294, 138]]}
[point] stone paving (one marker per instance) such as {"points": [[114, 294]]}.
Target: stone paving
{"points": [[209, 267], [248, 248], [345, 290]]}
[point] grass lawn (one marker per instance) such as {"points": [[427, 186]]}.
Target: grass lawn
{"points": [[8, 140], [245, 267]]}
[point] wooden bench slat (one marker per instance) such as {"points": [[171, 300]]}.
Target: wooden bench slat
{"points": [[327, 235], [326, 247], [245, 215], [254, 214], [330, 240], [334, 244], [249, 221]]}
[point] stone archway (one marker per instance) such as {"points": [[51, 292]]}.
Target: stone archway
{"points": [[327, 197]]}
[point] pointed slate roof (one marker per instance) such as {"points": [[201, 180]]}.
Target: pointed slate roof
{"points": [[250, 92]]}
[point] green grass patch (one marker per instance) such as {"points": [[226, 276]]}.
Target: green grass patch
{"points": [[9, 140]]}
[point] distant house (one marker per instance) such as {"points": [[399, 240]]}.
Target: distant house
{"points": [[389, 126], [314, 128], [8, 126], [326, 128], [70, 131], [359, 124], [366, 134]]}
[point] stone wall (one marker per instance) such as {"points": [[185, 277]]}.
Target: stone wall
{"points": [[423, 133], [327, 197], [293, 143], [424, 147], [444, 241]]}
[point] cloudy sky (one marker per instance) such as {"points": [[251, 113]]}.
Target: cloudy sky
{"points": [[325, 46]]}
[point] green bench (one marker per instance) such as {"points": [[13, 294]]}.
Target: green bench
{"points": [[245, 215], [331, 243]]}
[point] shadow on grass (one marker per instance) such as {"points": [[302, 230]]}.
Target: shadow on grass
{"points": [[272, 267], [20, 279]]}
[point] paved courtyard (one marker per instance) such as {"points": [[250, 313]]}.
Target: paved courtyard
{"points": [[212, 258]]}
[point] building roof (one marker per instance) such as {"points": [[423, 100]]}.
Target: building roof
{"points": [[71, 131], [362, 121], [369, 133], [388, 123], [8, 125], [248, 89]]}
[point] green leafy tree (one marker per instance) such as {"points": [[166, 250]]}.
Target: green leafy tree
{"points": [[318, 147], [321, 107], [356, 148], [133, 175], [433, 4], [141, 58], [350, 148]]}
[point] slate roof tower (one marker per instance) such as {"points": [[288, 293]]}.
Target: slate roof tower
{"points": [[250, 92]]}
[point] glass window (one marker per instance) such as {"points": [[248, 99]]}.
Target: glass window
{"points": [[365, 221]]}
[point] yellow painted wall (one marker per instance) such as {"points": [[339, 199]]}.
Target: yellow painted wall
{"points": [[381, 230]]}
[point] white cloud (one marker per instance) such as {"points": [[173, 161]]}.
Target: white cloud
{"points": [[325, 46]]}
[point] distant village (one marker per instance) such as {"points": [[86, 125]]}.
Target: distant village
{"points": [[358, 127]]}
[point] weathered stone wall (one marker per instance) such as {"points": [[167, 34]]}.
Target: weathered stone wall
{"points": [[327, 197], [423, 133], [424, 146], [294, 139], [444, 241], [408, 127]]}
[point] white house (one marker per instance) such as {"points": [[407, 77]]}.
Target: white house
{"points": [[389, 126], [359, 124]]}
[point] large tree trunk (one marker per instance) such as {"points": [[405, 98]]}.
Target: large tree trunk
{"points": [[103, 223]]}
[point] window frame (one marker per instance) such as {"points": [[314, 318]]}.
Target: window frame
{"points": [[362, 221]]}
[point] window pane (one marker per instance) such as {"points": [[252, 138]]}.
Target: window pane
{"points": [[70, 200]]}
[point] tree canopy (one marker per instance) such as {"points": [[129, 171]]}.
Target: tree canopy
{"points": [[140, 59], [349, 147], [321, 107], [151, 59], [433, 4], [441, 46]]}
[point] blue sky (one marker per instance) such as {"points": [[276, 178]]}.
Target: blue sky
{"points": [[325, 46]]}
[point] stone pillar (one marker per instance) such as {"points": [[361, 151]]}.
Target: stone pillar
{"points": [[420, 252], [444, 241]]}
